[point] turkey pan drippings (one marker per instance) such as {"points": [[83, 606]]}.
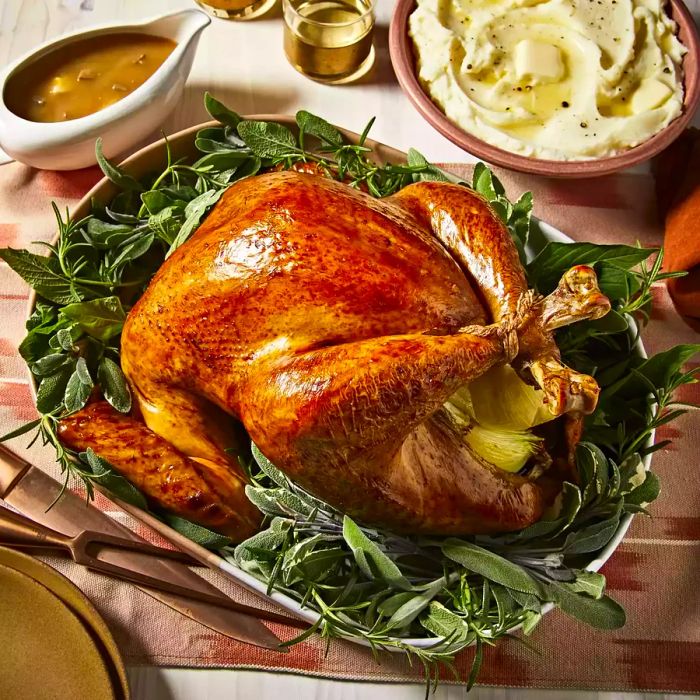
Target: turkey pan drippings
{"points": [[182, 145]]}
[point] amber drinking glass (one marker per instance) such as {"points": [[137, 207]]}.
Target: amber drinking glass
{"points": [[236, 9], [329, 40]]}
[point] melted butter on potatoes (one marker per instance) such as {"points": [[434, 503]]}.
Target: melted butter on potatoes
{"points": [[559, 79]]}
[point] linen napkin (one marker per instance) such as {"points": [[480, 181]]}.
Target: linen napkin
{"points": [[677, 174]]}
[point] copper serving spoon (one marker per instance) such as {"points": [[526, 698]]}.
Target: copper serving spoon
{"points": [[19, 531]]}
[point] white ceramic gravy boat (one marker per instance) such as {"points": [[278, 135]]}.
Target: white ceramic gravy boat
{"points": [[71, 144]]}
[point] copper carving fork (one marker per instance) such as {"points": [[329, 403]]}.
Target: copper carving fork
{"points": [[18, 531]]}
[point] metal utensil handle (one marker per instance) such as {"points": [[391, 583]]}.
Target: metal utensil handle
{"points": [[89, 541], [221, 601], [15, 529]]}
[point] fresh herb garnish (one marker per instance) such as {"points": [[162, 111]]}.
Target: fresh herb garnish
{"points": [[363, 582]]}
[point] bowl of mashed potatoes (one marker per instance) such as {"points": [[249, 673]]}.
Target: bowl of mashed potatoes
{"points": [[567, 88]]}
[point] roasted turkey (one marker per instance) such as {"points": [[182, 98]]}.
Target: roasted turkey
{"points": [[334, 327]]}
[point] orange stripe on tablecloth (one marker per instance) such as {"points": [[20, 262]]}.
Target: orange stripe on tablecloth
{"points": [[9, 235], [622, 571], [678, 528], [71, 184], [652, 664], [17, 400]]}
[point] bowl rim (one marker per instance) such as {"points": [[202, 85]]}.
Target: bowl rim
{"points": [[403, 62], [178, 141]]}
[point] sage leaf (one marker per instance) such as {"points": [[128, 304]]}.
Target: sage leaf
{"points": [[646, 492], [428, 171], [264, 502], [491, 566], [372, 561], [99, 318], [78, 389], [526, 601], [113, 384], [108, 477], [532, 619], [269, 469], [115, 173], [219, 111], [445, 623], [66, 338], [408, 609], [199, 534], [52, 389], [593, 537], [316, 126], [213, 147], [589, 582], [267, 139], [657, 371], [49, 364], [603, 613]]}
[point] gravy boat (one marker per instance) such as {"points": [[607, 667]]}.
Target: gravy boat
{"points": [[70, 144]]}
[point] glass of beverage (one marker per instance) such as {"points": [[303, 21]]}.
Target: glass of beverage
{"points": [[329, 40], [236, 9]]}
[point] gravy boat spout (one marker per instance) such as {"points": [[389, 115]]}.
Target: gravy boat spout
{"points": [[70, 144]]}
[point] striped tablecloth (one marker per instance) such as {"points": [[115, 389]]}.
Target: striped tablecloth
{"points": [[654, 574]]}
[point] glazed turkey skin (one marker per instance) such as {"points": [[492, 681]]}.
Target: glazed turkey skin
{"points": [[334, 326]]}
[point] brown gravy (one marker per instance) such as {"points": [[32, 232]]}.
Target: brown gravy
{"points": [[85, 76]]}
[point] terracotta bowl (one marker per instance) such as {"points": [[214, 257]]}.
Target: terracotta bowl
{"points": [[404, 62]]}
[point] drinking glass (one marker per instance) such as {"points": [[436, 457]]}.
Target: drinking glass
{"points": [[329, 40]]}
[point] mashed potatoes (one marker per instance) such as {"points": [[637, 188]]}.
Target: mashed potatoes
{"points": [[559, 79]]}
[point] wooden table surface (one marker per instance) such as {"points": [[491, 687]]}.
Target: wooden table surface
{"points": [[243, 64]]}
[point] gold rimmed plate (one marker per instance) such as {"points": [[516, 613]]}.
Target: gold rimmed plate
{"points": [[55, 644]]}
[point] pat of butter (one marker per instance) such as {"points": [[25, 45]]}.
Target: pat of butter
{"points": [[538, 61], [649, 95], [59, 84]]}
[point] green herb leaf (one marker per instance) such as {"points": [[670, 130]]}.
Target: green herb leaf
{"points": [[316, 126], [49, 364], [444, 623], [267, 139], [108, 477], [45, 276], [590, 582], [603, 613], [78, 388], [194, 212], [371, 560], [197, 533], [100, 318], [23, 429], [114, 173], [220, 112], [113, 384], [49, 396], [269, 469], [646, 493], [490, 565]]}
